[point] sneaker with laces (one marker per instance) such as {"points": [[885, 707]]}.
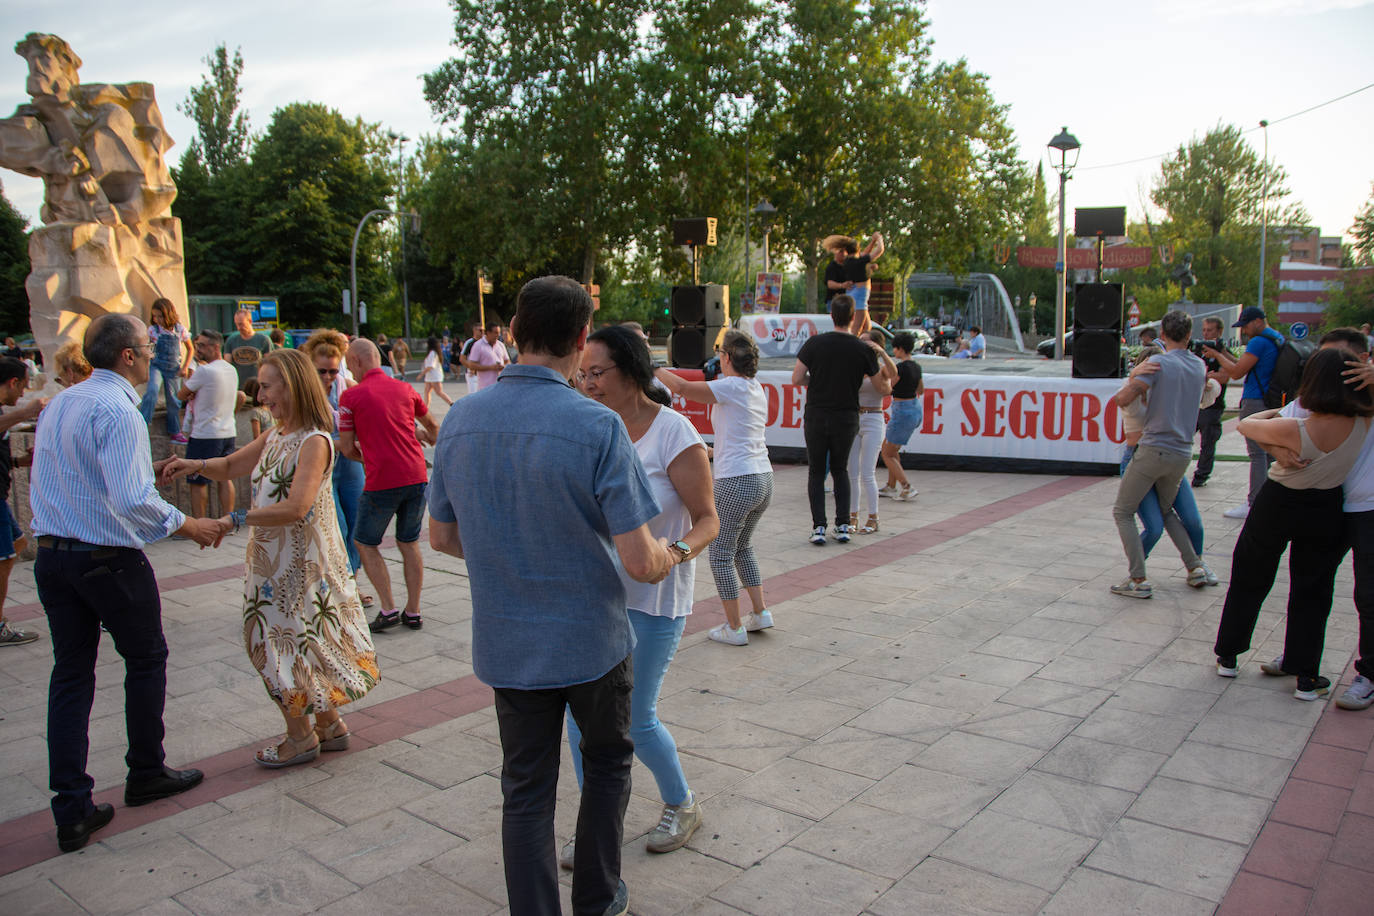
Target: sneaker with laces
{"points": [[1237, 512], [179, 438], [620, 903], [729, 635], [1202, 575], [842, 534], [676, 826], [568, 854], [9, 636], [818, 536], [1309, 688], [1226, 666], [1133, 589], [1359, 695], [760, 621], [1274, 668]]}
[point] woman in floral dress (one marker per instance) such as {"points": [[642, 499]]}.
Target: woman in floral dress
{"points": [[303, 625]]}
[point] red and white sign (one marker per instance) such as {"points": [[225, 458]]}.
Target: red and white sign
{"points": [[1038, 419], [1119, 256], [1133, 315]]}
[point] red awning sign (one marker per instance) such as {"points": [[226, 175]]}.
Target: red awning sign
{"points": [[1085, 258]]}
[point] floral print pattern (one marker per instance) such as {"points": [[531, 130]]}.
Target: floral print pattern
{"points": [[303, 624]]}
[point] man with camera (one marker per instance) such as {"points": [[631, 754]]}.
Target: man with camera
{"points": [[1256, 366], [1209, 418]]}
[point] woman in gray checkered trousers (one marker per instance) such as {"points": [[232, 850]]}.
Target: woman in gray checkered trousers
{"points": [[743, 478]]}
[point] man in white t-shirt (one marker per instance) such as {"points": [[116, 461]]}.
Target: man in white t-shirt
{"points": [[489, 356], [214, 386], [977, 344]]}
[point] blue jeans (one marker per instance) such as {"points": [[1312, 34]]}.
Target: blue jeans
{"points": [[1185, 505], [170, 380], [656, 640], [348, 488]]}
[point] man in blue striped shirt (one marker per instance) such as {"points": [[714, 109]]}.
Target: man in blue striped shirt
{"points": [[94, 507]]}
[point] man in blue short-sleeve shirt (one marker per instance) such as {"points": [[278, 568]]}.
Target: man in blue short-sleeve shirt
{"points": [[1256, 364], [549, 622]]}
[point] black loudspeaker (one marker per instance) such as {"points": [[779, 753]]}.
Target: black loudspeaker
{"points": [[1097, 306], [1097, 330], [699, 230], [698, 314], [1104, 221], [1096, 354]]}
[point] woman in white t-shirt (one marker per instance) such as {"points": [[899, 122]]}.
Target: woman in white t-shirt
{"points": [[744, 479], [617, 372], [432, 373]]}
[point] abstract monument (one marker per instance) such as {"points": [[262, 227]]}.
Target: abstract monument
{"points": [[109, 242]]}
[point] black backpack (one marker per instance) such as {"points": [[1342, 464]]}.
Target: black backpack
{"points": [[1287, 374]]}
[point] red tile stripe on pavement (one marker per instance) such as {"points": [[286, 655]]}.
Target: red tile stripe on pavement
{"points": [[30, 839], [1312, 855]]}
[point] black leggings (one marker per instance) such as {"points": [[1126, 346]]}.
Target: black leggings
{"points": [[829, 437]]}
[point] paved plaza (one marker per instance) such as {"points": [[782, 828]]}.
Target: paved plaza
{"points": [[951, 716]]}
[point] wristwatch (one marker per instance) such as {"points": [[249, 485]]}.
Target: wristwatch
{"points": [[682, 547]]}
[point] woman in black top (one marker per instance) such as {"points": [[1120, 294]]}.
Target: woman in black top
{"points": [[906, 416]]}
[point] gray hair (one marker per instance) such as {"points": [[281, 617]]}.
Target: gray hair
{"points": [[1176, 325], [109, 336]]}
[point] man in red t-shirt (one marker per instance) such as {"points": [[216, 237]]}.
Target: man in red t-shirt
{"points": [[377, 420]]}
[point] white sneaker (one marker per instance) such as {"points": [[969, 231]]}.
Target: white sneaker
{"points": [[1237, 512], [568, 853], [842, 533], [818, 536], [1202, 575], [760, 621], [676, 826], [728, 635]]}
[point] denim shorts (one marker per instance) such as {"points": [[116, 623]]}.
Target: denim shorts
{"points": [[9, 531], [376, 508], [860, 296], [204, 450], [906, 416]]}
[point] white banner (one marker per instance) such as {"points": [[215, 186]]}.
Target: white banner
{"points": [[985, 416]]}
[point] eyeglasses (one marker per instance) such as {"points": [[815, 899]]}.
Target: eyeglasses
{"points": [[150, 348], [593, 374], [329, 372]]}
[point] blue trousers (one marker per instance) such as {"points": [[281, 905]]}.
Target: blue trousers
{"points": [[170, 382], [656, 640], [348, 489], [1185, 505]]}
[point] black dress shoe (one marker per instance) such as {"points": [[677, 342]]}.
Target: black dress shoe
{"points": [[71, 837], [171, 782]]}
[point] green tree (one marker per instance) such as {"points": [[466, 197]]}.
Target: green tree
{"points": [[314, 175], [14, 268], [222, 135], [213, 182], [549, 88], [1212, 192], [1363, 231]]}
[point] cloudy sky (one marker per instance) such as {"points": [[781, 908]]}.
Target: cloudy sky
{"points": [[1130, 80]]}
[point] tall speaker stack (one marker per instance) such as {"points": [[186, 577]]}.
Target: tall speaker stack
{"points": [[1097, 330], [698, 314]]}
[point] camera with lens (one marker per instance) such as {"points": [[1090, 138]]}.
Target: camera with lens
{"points": [[1197, 347]]}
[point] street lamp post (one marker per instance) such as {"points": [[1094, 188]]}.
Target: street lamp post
{"points": [[1264, 213], [1065, 143], [353, 255], [766, 213], [401, 140]]}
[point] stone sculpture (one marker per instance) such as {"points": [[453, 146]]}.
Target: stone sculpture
{"points": [[109, 242]]}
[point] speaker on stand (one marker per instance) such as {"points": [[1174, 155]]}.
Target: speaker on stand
{"points": [[698, 314], [1097, 330]]}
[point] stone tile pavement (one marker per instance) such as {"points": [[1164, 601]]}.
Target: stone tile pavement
{"points": [[951, 716]]}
